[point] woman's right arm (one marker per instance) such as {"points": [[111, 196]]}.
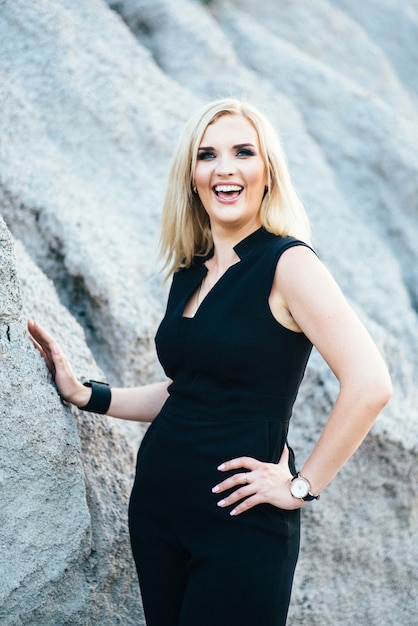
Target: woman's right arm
{"points": [[139, 404]]}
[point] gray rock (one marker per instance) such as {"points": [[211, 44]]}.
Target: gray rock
{"points": [[394, 28], [64, 479], [92, 97], [94, 113]]}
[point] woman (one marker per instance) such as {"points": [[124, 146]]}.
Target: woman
{"points": [[215, 509]]}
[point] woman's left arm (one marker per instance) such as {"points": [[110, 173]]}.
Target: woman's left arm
{"points": [[321, 311], [316, 306]]}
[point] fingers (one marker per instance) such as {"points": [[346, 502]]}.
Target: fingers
{"points": [[247, 490], [41, 336], [260, 483], [45, 344], [246, 462], [240, 478], [69, 387], [33, 335], [48, 361], [248, 503], [231, 482]]}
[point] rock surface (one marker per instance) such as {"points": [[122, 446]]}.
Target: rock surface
{"points": [[64, 477], [92, 96]]}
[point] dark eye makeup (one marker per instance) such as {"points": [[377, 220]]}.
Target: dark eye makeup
{"points": [[242, 151], [205, 155], [245, 152]]}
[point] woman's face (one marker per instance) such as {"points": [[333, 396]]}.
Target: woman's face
{"points": [[230, 173]]}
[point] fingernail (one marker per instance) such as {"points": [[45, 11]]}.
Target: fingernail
{"points": [[56, 349], [221, 467], [233, 512], [221, 503], [215, 489]]}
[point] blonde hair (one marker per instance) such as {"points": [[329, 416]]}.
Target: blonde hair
{"points": [[185, 229]]}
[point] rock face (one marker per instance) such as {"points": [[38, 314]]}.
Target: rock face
{"points": [[64, 477], [92, 97]]}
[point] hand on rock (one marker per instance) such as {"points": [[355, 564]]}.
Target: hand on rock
{"points": [[70, 389]]}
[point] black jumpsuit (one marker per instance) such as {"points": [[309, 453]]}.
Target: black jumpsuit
{"points": [[236, 372]]}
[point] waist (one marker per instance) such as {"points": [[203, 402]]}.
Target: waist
{"points": [[229, 405]]}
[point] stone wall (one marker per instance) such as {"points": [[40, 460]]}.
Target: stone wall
{"points": [[92, 97]]}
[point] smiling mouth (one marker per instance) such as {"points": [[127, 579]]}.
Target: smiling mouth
{"points": [[228, 191]]}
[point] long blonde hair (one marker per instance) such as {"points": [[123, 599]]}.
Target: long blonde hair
{"points": [[185, 228]]}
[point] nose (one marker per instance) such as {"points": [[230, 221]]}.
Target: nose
{"points": [[225, 165]]}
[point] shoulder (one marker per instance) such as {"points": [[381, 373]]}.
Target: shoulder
{"points": [[296, 253], [307, 286], [286, 253], [301, 276], [300, 267], [276, 245], [288, 242]]}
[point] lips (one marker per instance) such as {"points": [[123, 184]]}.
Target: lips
{"points": [[228, 192]]}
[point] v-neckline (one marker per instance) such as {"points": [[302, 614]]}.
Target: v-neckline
{"points": [[242, 248], [197, 287]]}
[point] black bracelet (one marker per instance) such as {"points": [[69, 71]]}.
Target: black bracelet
{"points": [[101, 396]]}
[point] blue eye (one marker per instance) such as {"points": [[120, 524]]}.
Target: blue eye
{"points": [[245, 152], [205, 155]]}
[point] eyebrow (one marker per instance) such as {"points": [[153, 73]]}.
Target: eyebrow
{"points": [[237, 146]]}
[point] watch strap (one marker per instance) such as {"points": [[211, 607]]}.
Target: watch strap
{"points": [[310, 496], [101, 396]]}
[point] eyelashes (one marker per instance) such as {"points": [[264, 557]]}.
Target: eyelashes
{"points": [[207, 155], [246, 152]]}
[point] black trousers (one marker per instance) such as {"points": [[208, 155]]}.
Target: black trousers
{"points": [[197, 565], [231, 572]]}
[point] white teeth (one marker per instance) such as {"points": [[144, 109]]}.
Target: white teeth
{"points": [[227, 188]]}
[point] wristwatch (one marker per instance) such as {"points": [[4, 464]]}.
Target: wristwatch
{"points": [[300, 488]]}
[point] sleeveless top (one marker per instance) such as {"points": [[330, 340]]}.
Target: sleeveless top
{"points": [[233, 360]]}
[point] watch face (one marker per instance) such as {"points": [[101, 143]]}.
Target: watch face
{"points": [[299, 488]]}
